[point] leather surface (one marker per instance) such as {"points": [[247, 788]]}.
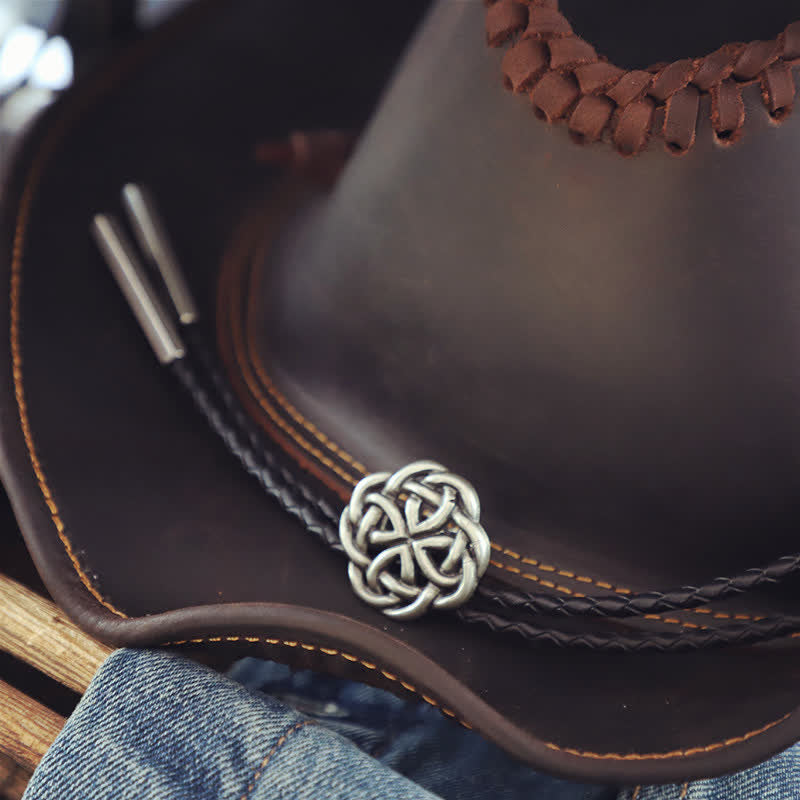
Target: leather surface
{"points": [[144, 528]]}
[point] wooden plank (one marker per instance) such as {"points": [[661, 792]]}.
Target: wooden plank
{"points": [[27, 728], [13, 779], [36, 631]]}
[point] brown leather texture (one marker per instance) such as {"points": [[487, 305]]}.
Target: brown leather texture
{"points": [[148, 533]]}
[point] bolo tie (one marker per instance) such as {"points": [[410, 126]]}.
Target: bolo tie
{"points": [[413, 537]]}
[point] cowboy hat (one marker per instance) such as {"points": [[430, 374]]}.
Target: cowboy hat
{"points": [[551, 365]]}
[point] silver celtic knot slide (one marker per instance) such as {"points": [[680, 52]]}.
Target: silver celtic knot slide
{"points": [[414, 540]]}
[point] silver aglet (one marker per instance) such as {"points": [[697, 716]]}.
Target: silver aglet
{"points": [[154, 242], [129, 274]]}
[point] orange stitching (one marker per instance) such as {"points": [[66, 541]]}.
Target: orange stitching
{"points": [[673, 621], [271, 753], [283, 401], [550, 568], [722, 615], [550, 745], [125, 64], [530, 577], [23, 217], [328, 651], [276, 418], [636, 793], [251, 354], [692, 751], [684, 792]]}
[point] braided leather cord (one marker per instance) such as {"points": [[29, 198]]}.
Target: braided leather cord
{"points": [[229, 422], [277, 483], [240, 423], [225, 417], [247, 445], [726, 636], [634, 605], [610, 606], [567, 80]]}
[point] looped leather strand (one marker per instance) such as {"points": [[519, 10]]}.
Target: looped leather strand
{"points": [[567, 80]]}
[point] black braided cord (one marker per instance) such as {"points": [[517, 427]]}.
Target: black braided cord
{"points": [[314, 517], [226, 418], [240, 420], [635, 605], [686, 639]]}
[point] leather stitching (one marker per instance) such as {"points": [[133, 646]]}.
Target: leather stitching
{"points": [[563, 572], [260, 771], [267, 383], [277, 419], [691, 751], [567, 80], [328, 651], [284, 403], [23, 216], [672, 754]]}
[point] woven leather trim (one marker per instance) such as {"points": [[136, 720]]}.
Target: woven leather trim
{"points": [[567, 80]]}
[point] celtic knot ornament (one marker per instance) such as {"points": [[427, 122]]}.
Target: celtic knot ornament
{"points": [[414, 540]]}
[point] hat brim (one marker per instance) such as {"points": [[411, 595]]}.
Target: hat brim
{"points": [[148, 533]]}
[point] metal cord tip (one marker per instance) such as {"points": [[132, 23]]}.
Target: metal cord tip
{"points": [[132, 280], [154, 242]]}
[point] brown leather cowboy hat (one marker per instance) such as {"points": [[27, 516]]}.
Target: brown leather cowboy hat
{"points": [[589, 318]]}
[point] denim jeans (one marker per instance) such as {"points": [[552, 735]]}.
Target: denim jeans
{"points": [[153, 725]]}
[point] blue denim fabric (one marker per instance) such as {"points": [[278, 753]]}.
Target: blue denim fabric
{"points": [[154, 726]]}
